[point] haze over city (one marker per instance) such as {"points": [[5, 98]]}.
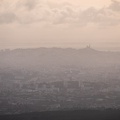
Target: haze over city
{"points": [[60, 60]]}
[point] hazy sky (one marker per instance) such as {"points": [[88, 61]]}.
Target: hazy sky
{"points": [[64, 23]]}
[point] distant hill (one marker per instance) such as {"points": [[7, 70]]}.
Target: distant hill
{"points": [[57, 57], [67, 115]]}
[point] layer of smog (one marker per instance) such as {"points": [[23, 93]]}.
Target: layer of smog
{"points": [[59, 59], [48, 79]]}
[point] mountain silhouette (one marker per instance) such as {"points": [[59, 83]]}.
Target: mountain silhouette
{"points": [[56, 57]]}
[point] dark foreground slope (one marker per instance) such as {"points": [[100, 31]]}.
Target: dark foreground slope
{"points": [[67, 115]]}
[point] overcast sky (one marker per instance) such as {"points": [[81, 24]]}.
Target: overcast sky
{"points": [[64, 23]]}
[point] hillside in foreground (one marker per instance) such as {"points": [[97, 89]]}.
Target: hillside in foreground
{"points": [[67, 115]]}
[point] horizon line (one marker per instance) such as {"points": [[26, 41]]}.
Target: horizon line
{"points": [[55, 47]]}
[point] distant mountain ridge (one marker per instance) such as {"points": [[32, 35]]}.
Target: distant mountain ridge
{"points": [[52, 57]]}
